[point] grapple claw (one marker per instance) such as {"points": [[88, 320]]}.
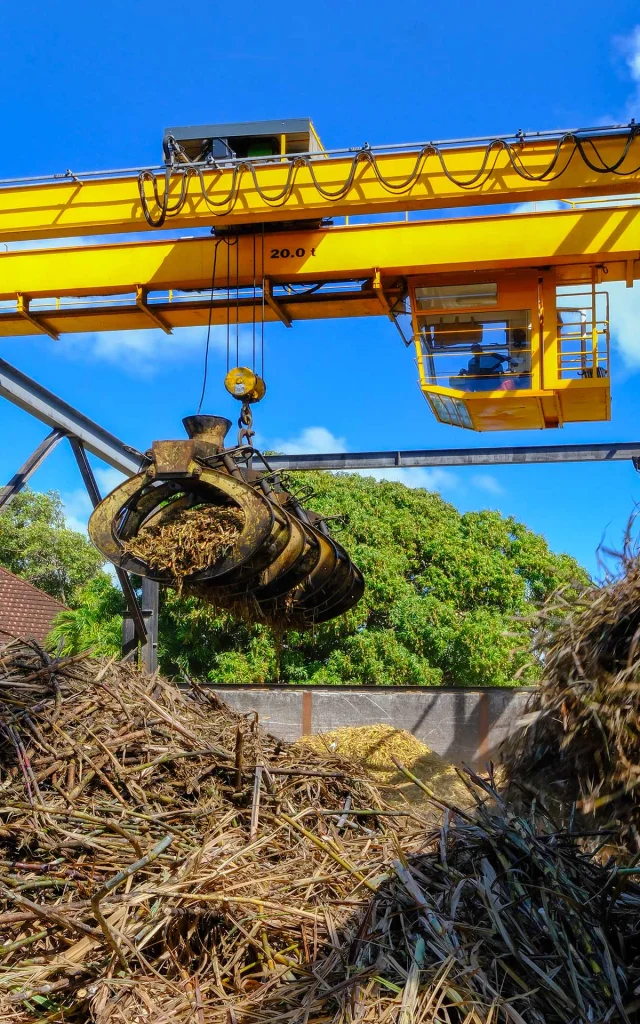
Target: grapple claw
{"points": [[276, 563]]}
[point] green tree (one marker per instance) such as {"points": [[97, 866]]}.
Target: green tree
{"points": [[446, 600], [95, 623], [36, 545]]}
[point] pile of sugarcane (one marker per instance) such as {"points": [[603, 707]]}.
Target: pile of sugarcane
{"points": [[163, 859], [159, 850], [497, 922], [579, 740]]}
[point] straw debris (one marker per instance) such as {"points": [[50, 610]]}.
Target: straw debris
{"points": [[580, 736], [159, 852], [162, 859], [497, 923], [374, 748], [187, 540]]}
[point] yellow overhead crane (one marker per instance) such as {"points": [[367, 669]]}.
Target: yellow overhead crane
{"points": [[505, 312]]}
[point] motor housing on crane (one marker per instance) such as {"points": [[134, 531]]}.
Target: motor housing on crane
{"points": [[211, 143]]}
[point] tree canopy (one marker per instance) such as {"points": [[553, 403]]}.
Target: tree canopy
{"points": [[36, 545], [446, 600]]}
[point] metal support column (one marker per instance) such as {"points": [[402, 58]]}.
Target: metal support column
{"points": [[148, 647], [150, 612], [138, 626]]}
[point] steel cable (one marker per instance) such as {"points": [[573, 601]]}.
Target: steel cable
{"points": [[206, 349]]}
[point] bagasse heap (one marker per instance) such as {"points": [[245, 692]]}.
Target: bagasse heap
{"points": [[100, 768], [581, 734], [378, 748], [188, 540], [162, 858]]}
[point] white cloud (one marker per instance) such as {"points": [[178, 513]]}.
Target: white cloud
{"points": [[311, 441], [540, 206], [430, 479], [78, 508], [486, 482], [633, 58], [141, 353], [107, 478], [629, 47], [625, 322], [317, 440]]}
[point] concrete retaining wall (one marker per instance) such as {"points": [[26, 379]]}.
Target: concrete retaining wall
{"points": [[462, 725]]}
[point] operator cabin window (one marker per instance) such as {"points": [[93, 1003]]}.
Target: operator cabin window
{"points": [[457, 296], [480, 351]]}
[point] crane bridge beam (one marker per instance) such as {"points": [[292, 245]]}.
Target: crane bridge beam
{"points": [[140, 284], [324, 185]]}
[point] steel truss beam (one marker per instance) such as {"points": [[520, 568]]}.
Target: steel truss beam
{"points": [[33, 398], [27, 394], [236, 194], [141, 624], [612, 451], [136, 626], [26, 471]]}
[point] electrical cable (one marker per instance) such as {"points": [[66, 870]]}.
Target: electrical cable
{"points": [[585, 148], [206, 348]]}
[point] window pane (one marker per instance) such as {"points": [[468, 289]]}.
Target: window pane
{"points": [[457, 296]]}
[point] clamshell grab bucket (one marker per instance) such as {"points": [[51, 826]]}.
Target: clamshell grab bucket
{"points": [[280, 567]]}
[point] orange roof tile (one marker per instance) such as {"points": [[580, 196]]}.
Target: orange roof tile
{"points": [[25, 611]]}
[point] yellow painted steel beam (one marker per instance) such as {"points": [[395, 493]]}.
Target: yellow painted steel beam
{"points": [[91, 318], [327, 186], [573, 241]]}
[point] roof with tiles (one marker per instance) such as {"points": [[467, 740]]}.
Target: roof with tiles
{"points": [[25, 611]]}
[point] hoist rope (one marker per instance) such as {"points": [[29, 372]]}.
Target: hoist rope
{"points": [[206, 348], [237, 303], [231, 243], [263, 310], [583, 148], [253, 310]]}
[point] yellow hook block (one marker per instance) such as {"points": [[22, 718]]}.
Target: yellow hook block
{"points": [[245, 385]]}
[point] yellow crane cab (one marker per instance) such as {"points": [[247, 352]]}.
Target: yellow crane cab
{"points": [[509, 350]]}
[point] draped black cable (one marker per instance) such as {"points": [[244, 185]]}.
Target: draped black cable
{"points": [[579, 147], [206, 348]]}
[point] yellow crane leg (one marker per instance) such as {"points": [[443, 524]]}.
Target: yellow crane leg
{"points": [[327, 186], [573, 241]]}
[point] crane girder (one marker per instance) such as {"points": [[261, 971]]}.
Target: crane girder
{"points": [[325, 185], [362, 268]]}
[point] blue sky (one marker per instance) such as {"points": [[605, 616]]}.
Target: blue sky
{"points": [[92, 86]]}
